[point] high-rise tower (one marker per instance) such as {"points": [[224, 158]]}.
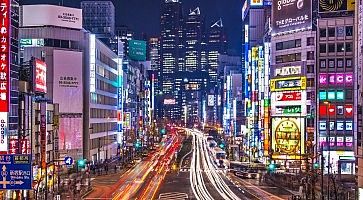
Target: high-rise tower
{"points": [[172, 57]]}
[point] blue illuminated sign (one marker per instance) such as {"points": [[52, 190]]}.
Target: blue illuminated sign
{"points": [[16, 172]]}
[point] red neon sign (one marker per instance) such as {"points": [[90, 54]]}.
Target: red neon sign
{"points": [[288, 96], [4, 55], [40, 76], [324, 111], [348, 110]]}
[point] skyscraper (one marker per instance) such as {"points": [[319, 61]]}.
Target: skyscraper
{"points": [[172, 58], [194, 40], [99, 18], [217, 45]]}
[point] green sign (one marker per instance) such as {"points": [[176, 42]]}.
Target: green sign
{"points": [[137, 50]]}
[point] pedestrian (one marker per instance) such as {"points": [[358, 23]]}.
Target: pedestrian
{"points": [[115, 168]]}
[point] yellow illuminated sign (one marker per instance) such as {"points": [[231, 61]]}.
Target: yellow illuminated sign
{"points": [[289, 83], [288, 136]]}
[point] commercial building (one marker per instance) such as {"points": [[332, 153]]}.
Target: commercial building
{"points": [[79, 67], [99, 18], [171, 52], [338, 121], [254, 71]]}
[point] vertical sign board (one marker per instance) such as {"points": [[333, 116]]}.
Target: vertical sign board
{"points": [[119, 93], [4, 72], [92, 62], [40, 76], [16, 172], [43, 133]]}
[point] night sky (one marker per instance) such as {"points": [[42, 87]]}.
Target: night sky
{"points": [[143, 16]]}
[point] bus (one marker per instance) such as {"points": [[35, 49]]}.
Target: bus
{"points": [[218, 156]]}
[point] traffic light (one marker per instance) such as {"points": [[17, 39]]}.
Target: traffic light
{"points": [[316, 165], [81, 163], [221, 146], [138, 144], [271, 167], [163, 131]]}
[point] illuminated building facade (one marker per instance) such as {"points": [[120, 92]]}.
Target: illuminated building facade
{"points": [[171, 53], [254, 84], [337, 117]]}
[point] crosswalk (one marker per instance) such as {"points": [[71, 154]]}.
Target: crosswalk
{"points": [[173, 196]]}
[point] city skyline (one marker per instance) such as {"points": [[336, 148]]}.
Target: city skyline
{"points": [[148, 19]]}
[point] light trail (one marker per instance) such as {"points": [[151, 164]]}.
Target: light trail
{"points": [[200, 153]]}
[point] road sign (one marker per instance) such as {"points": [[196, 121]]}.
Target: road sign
{"points": [[15, 172], [68, 160]]}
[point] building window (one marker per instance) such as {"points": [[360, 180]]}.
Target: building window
{"points": [[322, 48], [331, 63], [331, 48], [322, 63], [348, 47], [340, 31], [349, 30], [310, 41], [331, 32], [288, 58], [322, 32], [348, 63], [310, 68], [340, 62], [310, 55], [340, 47], [310, 82], [288, 44], [349, 94]]}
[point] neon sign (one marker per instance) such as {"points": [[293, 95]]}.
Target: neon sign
{"points": [[336, 78]]}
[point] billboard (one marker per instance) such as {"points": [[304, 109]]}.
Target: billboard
{"points": [[92, 63], [40, 76], [127, 120], [256, 2], [137, 50], [290, 83], [291, 15], [290, 96], [169, 102], [67, 80], [244, 9], [336, 78], [326, 6], [288, 137], [51, 15], [70, 132], [289, 70], [210, 100]]}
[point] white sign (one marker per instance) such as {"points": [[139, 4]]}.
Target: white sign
{"points": [[210, 100], [287, 71], [68, 81], [92, 62], [51, 15], [246, 33], [3, 131]]}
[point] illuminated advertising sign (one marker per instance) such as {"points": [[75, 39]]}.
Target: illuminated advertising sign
{"points": [[288, 71], [290, 83], [127, 120], [290, 15], [287, 137], [331, 95], [256, 2], [51, 15], [336, 79], [342, 162], [288, 96], [43, 133], [244, 9], [40, 76], [137, 50], [288, 110], [348, 110], [169, 102], [4, 73], [246, 33], [92, 62], [325, 111], [31, 42], [326, 6], [210, 100]]}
